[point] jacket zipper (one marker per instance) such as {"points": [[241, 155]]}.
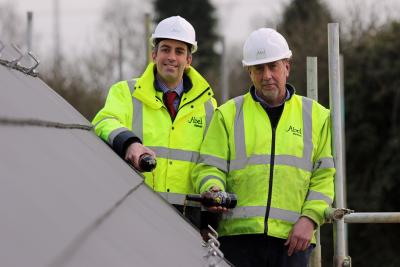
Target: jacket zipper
{"points": [[207, 89], [271, 178], [187, 102], [195, 98]]}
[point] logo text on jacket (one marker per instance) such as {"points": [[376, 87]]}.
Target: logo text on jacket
{"points": [[197, 122], [295, 131]]}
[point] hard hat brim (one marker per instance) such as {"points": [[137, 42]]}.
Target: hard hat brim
{"points": [[154, 38], [267, 60]]}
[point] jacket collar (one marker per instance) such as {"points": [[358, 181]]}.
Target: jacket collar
{"points": [[187, 83], [194, 86]]}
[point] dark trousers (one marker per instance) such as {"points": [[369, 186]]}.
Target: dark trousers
{"points": [[199, 218], [261, 250]]}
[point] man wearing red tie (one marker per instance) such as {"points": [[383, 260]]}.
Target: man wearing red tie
{"points": [[164, 113]]}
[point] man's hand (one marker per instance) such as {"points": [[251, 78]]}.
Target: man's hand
{"points": [[216, 209], [300, 236], [134, 151]]}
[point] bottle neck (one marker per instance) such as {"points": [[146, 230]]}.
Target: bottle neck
{"points": [[194, 197]]}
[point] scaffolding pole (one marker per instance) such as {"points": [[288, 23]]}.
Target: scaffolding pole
{"points": [[29, 30], [224, 72], [342, 109], [312, 92], [57, 39], [349, 216], [341, 257], [312, 78], [120, 59], [147, 25], [372, 217]]}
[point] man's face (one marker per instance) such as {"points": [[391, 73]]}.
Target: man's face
{"points": [[171, 58], [269, 79]]}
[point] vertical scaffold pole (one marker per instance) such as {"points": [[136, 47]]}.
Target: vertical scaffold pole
{"points": [[312, 92], [312, 78], [340, 257], [120, 59], [147, 24], [29, 30], [224, 72], [343, 108]]}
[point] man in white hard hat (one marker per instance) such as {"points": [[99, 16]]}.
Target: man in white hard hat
{"points": [[273, 149], [164, 113]]}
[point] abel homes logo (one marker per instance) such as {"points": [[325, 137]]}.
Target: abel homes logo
{"points": [[295, 131], [260, 53], [196, 121]]}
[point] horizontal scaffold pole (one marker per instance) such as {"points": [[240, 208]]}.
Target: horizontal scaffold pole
{"points": [[372, 217]]}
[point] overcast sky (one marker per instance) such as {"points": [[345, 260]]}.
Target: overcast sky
{"points": [[237, 18]]}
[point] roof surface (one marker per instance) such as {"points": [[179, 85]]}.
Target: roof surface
{"points": [[66, 199]]}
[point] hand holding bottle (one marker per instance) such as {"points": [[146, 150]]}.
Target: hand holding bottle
{"points": [[215, 200], [147, 162], [141, 157]]}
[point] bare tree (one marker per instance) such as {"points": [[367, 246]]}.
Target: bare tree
{"points": [[120, 19], [85, 78]]}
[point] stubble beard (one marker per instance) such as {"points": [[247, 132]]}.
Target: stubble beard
{"points": [[270, 96]]}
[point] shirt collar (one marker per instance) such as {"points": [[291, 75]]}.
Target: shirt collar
{"points": [[264, 104], [164, 88]]}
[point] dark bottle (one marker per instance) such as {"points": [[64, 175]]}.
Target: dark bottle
{"points": [[147, 163], [210, 199]]}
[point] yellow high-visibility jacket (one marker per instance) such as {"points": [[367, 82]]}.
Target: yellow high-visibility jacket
{"points": [[278, 174], [135, 110]]}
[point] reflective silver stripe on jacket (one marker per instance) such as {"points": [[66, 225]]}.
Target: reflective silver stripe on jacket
{"points": [[137, 118], [324, 163], [210, 177], [265, 159], [103, 119], [178, 199], [131, 85], [114, 133], [175, 154], [259, 211], [241, 159], [209, 108], [314, 195], [307, 133], [215, 162], [240, 141]]}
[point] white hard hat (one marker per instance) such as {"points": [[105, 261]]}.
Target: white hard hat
{"points": [[263, 46], [176, 28]]}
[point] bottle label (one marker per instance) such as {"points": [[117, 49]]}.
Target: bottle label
{"points": [[220, 198]]}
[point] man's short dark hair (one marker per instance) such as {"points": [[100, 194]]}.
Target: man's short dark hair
{"points": [[157, 43]]}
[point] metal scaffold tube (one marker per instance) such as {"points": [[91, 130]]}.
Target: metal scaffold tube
{"points": [[120, 59], [312, 78], [312, 92], [372, 217], [224, 72], [147, 25], [29, 30], [340, 258]]}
